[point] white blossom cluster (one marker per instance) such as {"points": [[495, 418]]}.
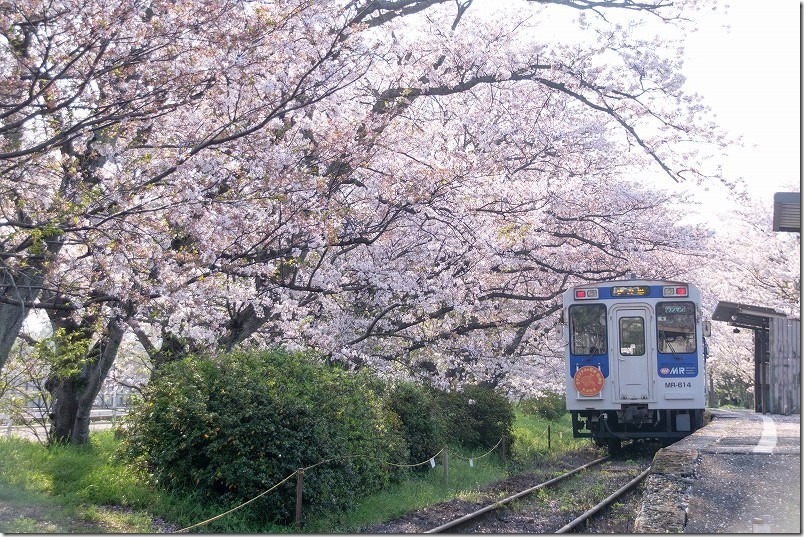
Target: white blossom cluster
{"points": [[392, 185]]}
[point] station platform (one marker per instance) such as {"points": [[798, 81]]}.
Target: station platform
{"points": [[741, 473]]}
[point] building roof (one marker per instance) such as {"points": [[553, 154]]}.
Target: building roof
{"points": [[744, 315], [787, 212]]}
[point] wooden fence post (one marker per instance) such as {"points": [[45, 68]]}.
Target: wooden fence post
{"points": [[299, 487], [446, 466]]}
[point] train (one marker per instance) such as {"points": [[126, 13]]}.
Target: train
{"points": [[635, 353]]}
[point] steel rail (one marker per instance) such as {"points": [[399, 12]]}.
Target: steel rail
{"points": [[466, 518], [591, 512]]}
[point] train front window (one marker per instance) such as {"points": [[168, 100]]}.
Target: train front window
{"points": [[588, 329], [632, 336], [675, 324]]}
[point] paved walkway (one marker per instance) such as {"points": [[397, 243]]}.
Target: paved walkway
{"points": [[746, 477]]}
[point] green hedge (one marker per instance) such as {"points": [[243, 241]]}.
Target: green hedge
{"points": [[415, 405], [550, 406], [476, 417], [228, 428], [231, 427]]}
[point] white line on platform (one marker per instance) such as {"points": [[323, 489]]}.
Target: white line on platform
{"points": [[768, 440]]}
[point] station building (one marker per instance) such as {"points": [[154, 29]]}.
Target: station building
{"points": [[777, 338]]}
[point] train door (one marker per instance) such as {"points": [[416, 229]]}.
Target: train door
{"points": [[632, 351]]}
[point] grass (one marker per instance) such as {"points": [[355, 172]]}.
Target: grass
{"points": [[417, 491], [82, 474], [25, 512], [536, 437], [71, 489], [59, 489]]}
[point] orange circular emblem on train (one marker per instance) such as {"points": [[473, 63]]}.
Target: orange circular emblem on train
{"points": [[588, 381]]}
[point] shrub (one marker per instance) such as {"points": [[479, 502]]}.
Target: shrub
{"points": [[733, 390], [550, 406], [477, 417], [416, 407], [229, 428]]}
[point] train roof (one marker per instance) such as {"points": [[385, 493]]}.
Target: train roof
{"points": [[692, 291], [632, 282]]}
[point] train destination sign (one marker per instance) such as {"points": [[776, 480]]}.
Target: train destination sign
{"points": [[588, 381], [630, 290]]}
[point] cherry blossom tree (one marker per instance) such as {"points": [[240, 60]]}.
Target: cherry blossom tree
{"points": [[105, 108], [757, 265], [751, 264], [408, 185]]}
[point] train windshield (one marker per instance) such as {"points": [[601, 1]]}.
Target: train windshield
{"points": [[632, 336], [588, 329], [675, 322]]}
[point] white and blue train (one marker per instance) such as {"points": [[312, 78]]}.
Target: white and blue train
{"points": [[635, 360]]}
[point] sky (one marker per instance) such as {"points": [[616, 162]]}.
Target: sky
{"points": [[746, 63]]}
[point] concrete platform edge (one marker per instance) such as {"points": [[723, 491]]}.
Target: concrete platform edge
{"points": [[666, 493], [671, 491]]}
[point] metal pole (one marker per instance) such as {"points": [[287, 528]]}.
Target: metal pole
{"points": [[549, 440], [711, 390]]}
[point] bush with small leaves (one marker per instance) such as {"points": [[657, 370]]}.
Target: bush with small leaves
{"points": [[231, 427], [550, 406], [476, 417], [415, 404]]}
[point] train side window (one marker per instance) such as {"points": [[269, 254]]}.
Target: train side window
{"points": [[675, 326], [588, 330], [632, 336]]}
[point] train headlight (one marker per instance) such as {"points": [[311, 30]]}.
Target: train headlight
{"points": [[674, 291], [586, 294]]}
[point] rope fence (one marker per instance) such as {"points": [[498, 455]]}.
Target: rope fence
{"points": [[260, 495], [300, 473]]}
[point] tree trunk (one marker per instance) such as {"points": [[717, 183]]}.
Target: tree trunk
{"points": [[242, 324], [63, 410], [93, 375], [74, 395], [11, 319], [173, 348], [18, 290]]}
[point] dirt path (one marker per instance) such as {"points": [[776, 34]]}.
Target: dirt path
{"points": [[18, 517]]}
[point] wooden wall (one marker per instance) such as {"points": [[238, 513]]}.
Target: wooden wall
{"points": [[785, 366]]}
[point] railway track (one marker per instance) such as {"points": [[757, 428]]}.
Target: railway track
{"points": [[590, 488]]}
